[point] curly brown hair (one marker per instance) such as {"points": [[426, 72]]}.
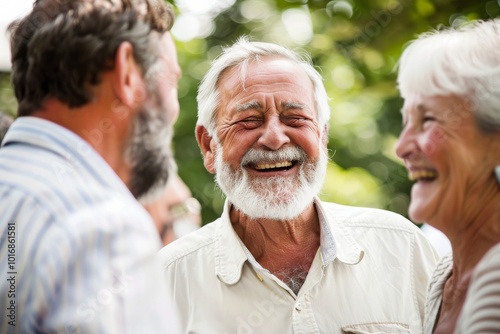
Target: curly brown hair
{"points": [[60, 48]]}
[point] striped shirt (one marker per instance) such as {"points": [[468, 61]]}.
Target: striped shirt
{"points": [[77, 252], [481, 310]]}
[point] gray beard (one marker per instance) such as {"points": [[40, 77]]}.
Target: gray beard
{"points": [[279, 198], [149, 150]]}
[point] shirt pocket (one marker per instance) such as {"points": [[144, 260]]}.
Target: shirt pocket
{"points": [[377, 328]]}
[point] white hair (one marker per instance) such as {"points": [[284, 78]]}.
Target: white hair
{"points": [[240, 54], [463, 62]]}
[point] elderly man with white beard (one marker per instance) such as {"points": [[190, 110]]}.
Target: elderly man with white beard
{"points": [[279, 260]]}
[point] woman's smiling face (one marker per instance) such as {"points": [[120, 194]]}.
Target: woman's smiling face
{"points": [[447, 156]]}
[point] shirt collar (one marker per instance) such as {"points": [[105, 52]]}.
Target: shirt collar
{"points": [[336, 239], [336, 242], [229, 254]]}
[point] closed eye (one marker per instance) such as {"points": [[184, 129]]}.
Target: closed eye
{"points": [[294, 121], [250, 123]]}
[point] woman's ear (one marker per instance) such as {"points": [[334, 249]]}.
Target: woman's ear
{"points": [[207, 146]]}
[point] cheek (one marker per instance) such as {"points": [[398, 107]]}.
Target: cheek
{"points": [[235, 143], [234, 152], [310, 141], [434, 142], [169, 100]]}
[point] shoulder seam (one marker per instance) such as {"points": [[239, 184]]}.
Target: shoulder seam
{"points": [[187, 251]]}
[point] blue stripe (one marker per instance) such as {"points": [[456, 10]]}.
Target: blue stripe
{"points": [[42, 229], [45, 185], [31, 130], [42, 163], [4, 231]]}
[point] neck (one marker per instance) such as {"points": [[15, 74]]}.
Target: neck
{"points": [[286, 248], [95, 123], [472, 238], [472, 232]]}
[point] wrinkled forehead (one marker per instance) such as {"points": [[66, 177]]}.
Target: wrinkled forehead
{"points": [[264, 70]]}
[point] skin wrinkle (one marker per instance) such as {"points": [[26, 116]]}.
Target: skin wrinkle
{"points": [[276, 233], [275, 243], [256, 105], [294, 277]]}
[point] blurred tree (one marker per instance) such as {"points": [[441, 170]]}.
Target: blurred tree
{"points": [[354, 44], [8, 103]]}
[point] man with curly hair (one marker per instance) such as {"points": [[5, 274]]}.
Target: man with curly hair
{"points": [[96, 84]]}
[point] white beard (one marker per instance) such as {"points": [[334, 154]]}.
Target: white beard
{"points": [[277, 197]]}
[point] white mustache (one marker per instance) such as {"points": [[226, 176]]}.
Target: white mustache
{"points": [[285, 154]]}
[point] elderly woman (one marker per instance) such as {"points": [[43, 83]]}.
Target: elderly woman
{"points": [[450, 143]]}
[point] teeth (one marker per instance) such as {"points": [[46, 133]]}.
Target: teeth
{"points": [[263, 166], [422, 174]]}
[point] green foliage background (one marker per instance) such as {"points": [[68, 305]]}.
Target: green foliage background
{"points": [[355, 45]]}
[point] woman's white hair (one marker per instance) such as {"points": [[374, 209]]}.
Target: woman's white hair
{"points": [[463, 62], [241, 54]]}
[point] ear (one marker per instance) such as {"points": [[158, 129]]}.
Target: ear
{"points": [[128, 82], [207, 146]]}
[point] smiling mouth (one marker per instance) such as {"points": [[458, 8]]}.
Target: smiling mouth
{"points": [[274, 166], [422, 175]]}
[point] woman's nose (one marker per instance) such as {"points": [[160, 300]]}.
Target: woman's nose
{"points": [[405, 144]]}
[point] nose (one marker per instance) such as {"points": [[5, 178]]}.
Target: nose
{"points": [[405, 144], [274, 134]]}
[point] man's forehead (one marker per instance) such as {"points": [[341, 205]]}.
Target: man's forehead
{"points": [[261, 64], [265, 71]]}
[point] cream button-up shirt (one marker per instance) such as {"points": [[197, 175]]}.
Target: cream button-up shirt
{"points": [[369, 276]]}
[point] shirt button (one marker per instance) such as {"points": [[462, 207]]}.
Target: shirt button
{"points": [[298, 306]]}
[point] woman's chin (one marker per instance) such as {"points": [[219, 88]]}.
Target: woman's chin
{"points": [[418, 213]]}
